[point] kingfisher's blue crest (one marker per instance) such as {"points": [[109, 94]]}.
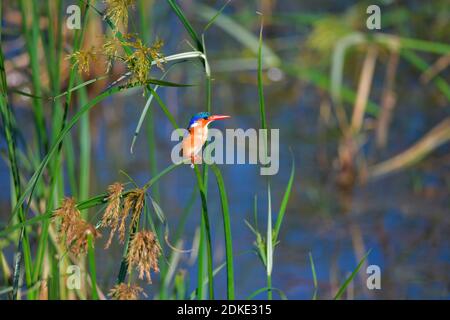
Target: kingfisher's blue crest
{"points": [[198, 116]]}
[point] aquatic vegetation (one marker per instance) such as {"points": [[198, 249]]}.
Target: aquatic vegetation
{"points": [[82, 59], [57, 219], [117, 12], [144, 252], [123, 291], [114, 215]]}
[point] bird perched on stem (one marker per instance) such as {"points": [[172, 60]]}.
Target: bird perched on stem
{"points": [[198, 133]]}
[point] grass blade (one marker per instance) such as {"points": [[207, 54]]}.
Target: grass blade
{"points": [[350, 278], [92, 267], [31, 185], [214, 17], [313, 270], [205, 223], [284, 202], [269, 252], [7, 120], [262, 108], [187, 25], [242, 35], [227, 232]]}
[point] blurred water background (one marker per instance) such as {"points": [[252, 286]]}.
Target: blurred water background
{"points": [[402, 217]]}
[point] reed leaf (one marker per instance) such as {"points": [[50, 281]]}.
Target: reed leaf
{"points": [[344, 286], [227, 232], [313, 270]]}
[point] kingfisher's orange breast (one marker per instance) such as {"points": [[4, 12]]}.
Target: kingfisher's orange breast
{"points": [[193, 142]]}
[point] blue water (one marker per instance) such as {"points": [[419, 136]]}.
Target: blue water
{"points": [[402, 218]]}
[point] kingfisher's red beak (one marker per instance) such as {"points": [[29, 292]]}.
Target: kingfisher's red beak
{"points": [[218, 117]]}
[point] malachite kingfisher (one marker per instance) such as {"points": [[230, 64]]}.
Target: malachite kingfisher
{"points": [[198, 133]]}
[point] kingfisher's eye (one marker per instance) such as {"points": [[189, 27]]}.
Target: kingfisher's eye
{"points": [[205, 118]]}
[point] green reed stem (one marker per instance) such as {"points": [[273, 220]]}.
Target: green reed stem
{"points": [[202, 183], [344, 286], [30, 187], [92, 267], [85, 149], [144, 24], [269, 287], [227, 232], [59, 121], [201, 295], [313, 270], [32, 45], [187, 25], [284, 203], [206, 225], [7, 119]]}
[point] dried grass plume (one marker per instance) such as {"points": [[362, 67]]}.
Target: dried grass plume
{"points": [[113, 213], [143, 254], [73, 230], [124, 291]]}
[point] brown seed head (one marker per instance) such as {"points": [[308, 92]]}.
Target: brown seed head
{"points": [[73, 229], [77, 242], [124, 291], [143, 254], [69, 214], [112, 215], [134, 202]]}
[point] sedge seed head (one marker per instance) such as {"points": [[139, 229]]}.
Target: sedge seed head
{"points": [[123, 291], [82, 59], [77, 242], [111, 217], [133, 203], [73, 230], [117, 12], [69, 214], [143, 254]]}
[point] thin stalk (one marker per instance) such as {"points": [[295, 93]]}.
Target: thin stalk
{"points": [[262, 108], [52, 44], [201, 261], [313, 270], [32, 44], [262, 111], [269, 249], [204, 220], [350, 278], [227, 232], [92, 267], [145, 22], [30, 187], [23, 243], [85, 149], [59, 123], [186, 24], [163, 294], [205, 223], [284, 203], [124, 263]]}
